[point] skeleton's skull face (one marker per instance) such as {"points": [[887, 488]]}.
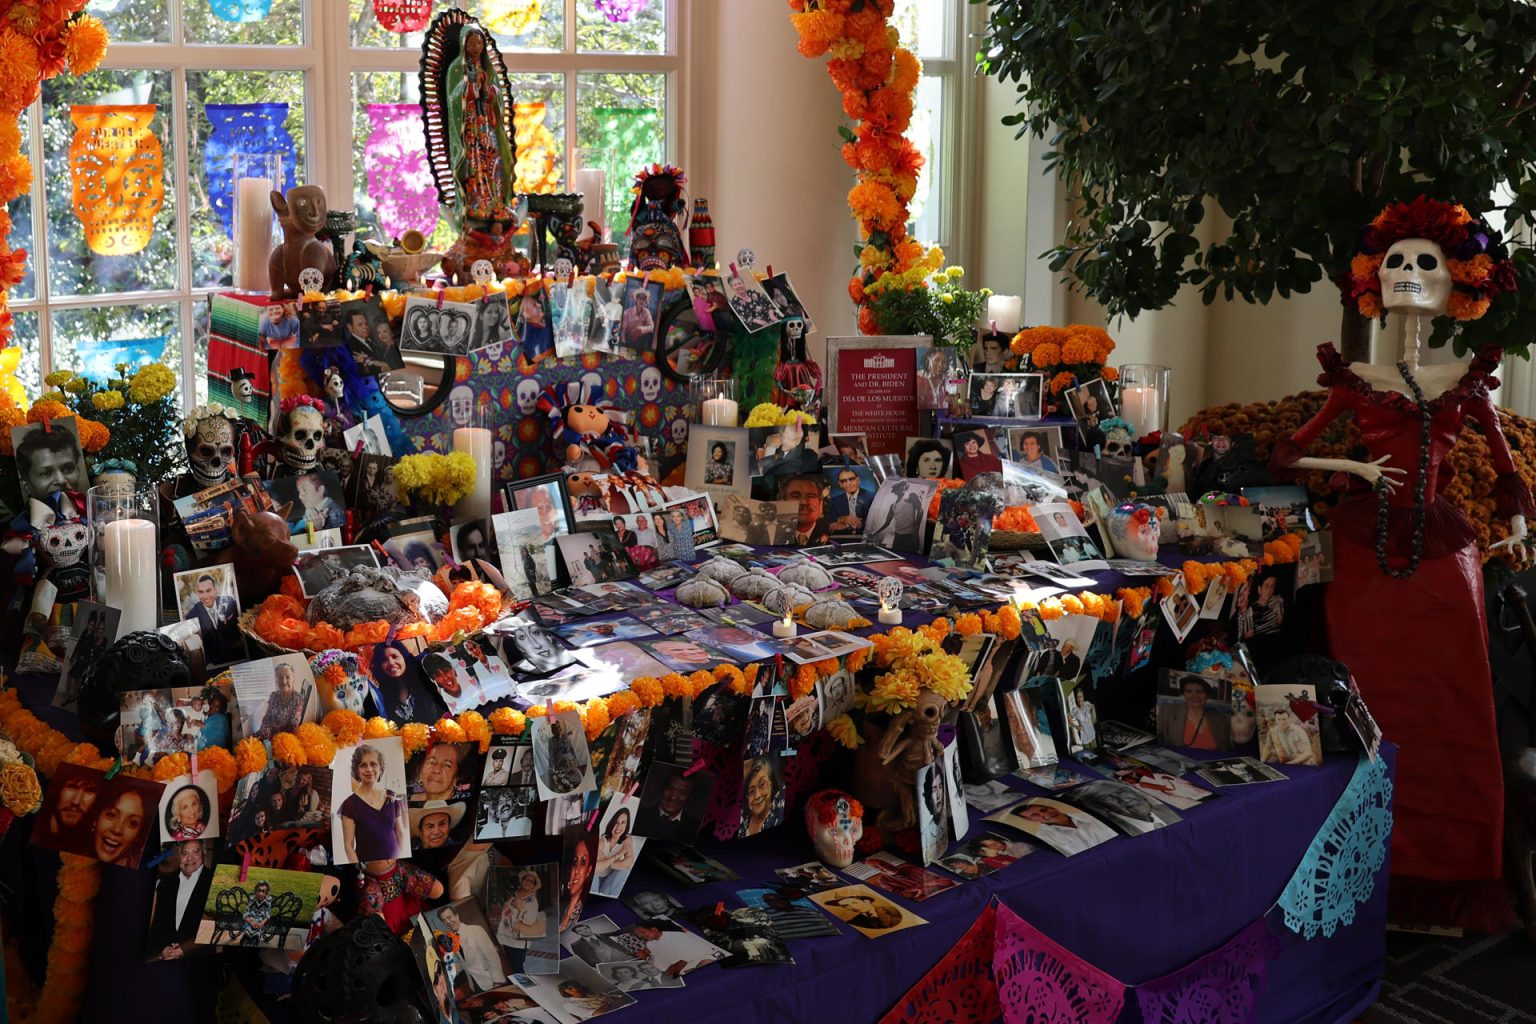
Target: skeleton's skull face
{"points": [[334, 386], [679, 431], [1414, 278], [499, 456], [1117, 444], [483, 272], [311, 280], [890, 590], [211, 450], [303, 438], [563, 268], [243, 389], [63, 544], [461, 405], [650, 383], [527, 396]]}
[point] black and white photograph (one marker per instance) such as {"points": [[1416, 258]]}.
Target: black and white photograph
{"points": [[719, 461], [1239, 771], [211, 598], [930, 458], [366, 330], [493, 321], [649, 903], [368, 437], [1194, 711], [760, 523], [672, 802], [1090, 405], [898, 516], [48, 459], [505, 812], [95, 630], [1125, 808], [529, 647], [1067, 538], [749, 302], [787, 300], [318, 568], [595, 557], [508, 762], [562, 764], [747, 934], [1013, 396], [439, 327], [831, 556], [932, 811], [576, 993]]}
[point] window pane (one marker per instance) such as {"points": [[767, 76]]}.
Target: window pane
{"points": [[29, 370], [924, 25], [646, 32], [212, 246], [927, 134], [72, 267], [134, 21], [282, 25], [509, 21], [621, 123], [540, 156], [20, 210], [366, 30], [391, 136], [151, 330]]}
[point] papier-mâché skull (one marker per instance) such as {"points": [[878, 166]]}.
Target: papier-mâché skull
{"points": [[1414, 278], [210, 449], [302, 438]]}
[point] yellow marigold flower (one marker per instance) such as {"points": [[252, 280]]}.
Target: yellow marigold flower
{"points": [[508, 722], [447, 730], [595, 717], [893, 692], [845, 732], [346, 726], [151, 383], [378, 728], [59, 378], [105, 401]]}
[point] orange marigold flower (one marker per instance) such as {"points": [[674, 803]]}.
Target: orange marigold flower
{"points": [[649, 691], [22, 74], [447, 730], [170, 766], [287, 749], [476, 728], [250, 756], [15, 176], [1109, 373], [319, 747], [508, 722], [968, 624], [346, 726], [1046, 355], [366, 633], [595, 717], [324, 636], [1062, 381], [85, 44], [858, 659], [223, 765], [622, 703], [675, 685], [803, 682], [414, 737], [378, 728]]}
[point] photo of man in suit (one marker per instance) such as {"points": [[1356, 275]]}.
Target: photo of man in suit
{"points": [[216, 611], [851, 496], [179, 898]]}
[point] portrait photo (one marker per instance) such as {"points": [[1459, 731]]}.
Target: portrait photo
{"points": [[685, 526], [749, 302], [976, 451], [90, 815], [589, 632], [549, 496], [1126, 809], [740, 645], [719, 461], [988, 852], [181, 890], [762, 793], [1238, 771], [1090, 405], [445, 771], [48, 459], [319, 568], [1066, 537], [522, 905], [1066, 829], [461, 926], [783, 294], [673, 802], [685, 655], [506, 812], [1194, 711], [314, 500], [189, 808], [528, 647], [276, 694], [320, 323], [1288, 724], [929, 458], [369, 819], [1037, 449], [618, 848], [595, 557], [366, 331], [493, 321], [211, 598], [416, 549], [279, 326], [849, 449], [562, 764], [430, 326], [525, 553], [866, 911], [259, 908], [1013, 396], [850, 495], [1181, 610]]}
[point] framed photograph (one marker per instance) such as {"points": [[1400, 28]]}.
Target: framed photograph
{"points": [[48, 459], [263, 908], [871, 388], [719, 461], [930, 458], [1009, 396], [430, 326], [369, 819], [366, 331], [1091, 405], [88, 814], [318, 568], [210, 598]]}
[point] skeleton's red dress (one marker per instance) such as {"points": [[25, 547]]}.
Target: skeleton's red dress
{"points": [[1418, 647]]}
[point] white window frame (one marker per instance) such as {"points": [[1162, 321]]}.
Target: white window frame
{"points": [[955, 143], [328, 60]]}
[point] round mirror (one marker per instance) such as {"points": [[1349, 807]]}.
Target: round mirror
{"points": [[421, 385], [684, 350]]}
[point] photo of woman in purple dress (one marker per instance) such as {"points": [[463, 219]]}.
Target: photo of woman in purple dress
{"points": [[371, 821]]}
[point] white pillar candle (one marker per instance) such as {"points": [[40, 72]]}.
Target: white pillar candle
{"points": [[476, 443], [1139, 406], [590, 182], [253, 233], [131, 573], [719, 412], [784, 628], [1004, 311]]}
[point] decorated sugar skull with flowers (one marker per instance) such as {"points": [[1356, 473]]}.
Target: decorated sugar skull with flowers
{"points": [[341, 682], [1134, 530], [835, 821]]}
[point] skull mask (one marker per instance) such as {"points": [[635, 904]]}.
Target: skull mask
{"points": [[302, 436], [650, 383], [210, 448], [527, 396], [1414, 278]]}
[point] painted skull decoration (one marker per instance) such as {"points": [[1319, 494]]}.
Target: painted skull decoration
{"points": [[650, 383], [209, 436], [834, 826], [483, 272], [1414, 278], [679, 431], [527, 396], [461, 405], [890, 590], [311, 279], [302, 434]]}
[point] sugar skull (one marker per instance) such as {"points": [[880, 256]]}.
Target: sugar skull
{"points": [[340, 682], [563, 269], [311, 279], [890, 590], [527, 395], [209, 436], [746, 259], [650, 383], [301, 430], [1134, 530], [833, 820], [483, 272], [461, 405]]}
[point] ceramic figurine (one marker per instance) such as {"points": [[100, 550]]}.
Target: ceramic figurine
{"points": [[300, 429], [210, 432], [301, 212], [1134, 530], [262, 554], [835, 822], [363, 972], [656, 243], [909, 743]]}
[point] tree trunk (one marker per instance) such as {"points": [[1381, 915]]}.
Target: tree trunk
{"points": [[1354, 336]]}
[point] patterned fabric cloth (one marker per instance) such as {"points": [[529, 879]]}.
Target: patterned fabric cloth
{"points": [[1041, 982], [1338, 871], [1221, 987]]}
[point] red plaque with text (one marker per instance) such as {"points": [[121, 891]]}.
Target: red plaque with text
{"points": [[877, 396]]}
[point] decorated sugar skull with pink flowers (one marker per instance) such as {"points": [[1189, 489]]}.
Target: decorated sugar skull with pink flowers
{"points": [[835, 821]]}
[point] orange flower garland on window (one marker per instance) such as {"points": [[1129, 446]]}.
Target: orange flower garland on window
{"points": [[878, 78]]}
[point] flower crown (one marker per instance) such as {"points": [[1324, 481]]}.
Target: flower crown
{"points": [[290, 404], [1475, 255], [208, 411], [346, 661]]}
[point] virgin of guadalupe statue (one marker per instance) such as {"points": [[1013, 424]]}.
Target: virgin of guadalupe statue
{"points": [[1407, 561], [477, 135]]}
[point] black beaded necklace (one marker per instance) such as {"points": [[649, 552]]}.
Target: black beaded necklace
{"points": [[1383, 504]]}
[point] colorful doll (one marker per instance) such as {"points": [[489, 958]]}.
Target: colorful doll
{"points": [[656, 242], [591, 440], [1407, 563], [53, 537]]}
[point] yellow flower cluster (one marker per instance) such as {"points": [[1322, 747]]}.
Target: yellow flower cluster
{"points": [[438, 479], [914, 276], [915, 662], [106, 401], [766, 414], [151, 383]]}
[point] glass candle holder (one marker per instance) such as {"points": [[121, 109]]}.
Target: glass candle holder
{"points": [[475, 436], [125, 526], [1144, 397], [257, 176], [716, 399]]}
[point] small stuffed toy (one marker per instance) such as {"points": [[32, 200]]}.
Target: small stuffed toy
{"points": [[593, 437], [53, 538]]}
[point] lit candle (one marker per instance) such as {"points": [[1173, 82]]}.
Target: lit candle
{"points": [[785, 627], [719, 412], [590, 182], [1004, 311], [129, 549], [476, 443], [253, 236], [1139, 406], [889, 616]]}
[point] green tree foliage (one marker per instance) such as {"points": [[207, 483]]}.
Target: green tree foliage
{"points": [[1299, 120]]}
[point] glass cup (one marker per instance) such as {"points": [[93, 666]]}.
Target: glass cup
{"points": [[716, 399]]}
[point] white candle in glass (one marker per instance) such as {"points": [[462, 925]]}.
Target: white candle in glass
{"points": [[253, 233], [590, 182], [719, 412], [476, 443], [1004, 311], [1139, 406], [129, 548]]}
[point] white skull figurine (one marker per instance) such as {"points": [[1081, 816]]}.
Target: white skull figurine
{"points": [[335, 387], [679, 431], [746, 259], [483, 272], [563, 269], [311, 280], [210, 441], [527, 396], [302, 438], [1414, 278], [650, 383], [461, 405], [890, 590], [243, 389]]}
